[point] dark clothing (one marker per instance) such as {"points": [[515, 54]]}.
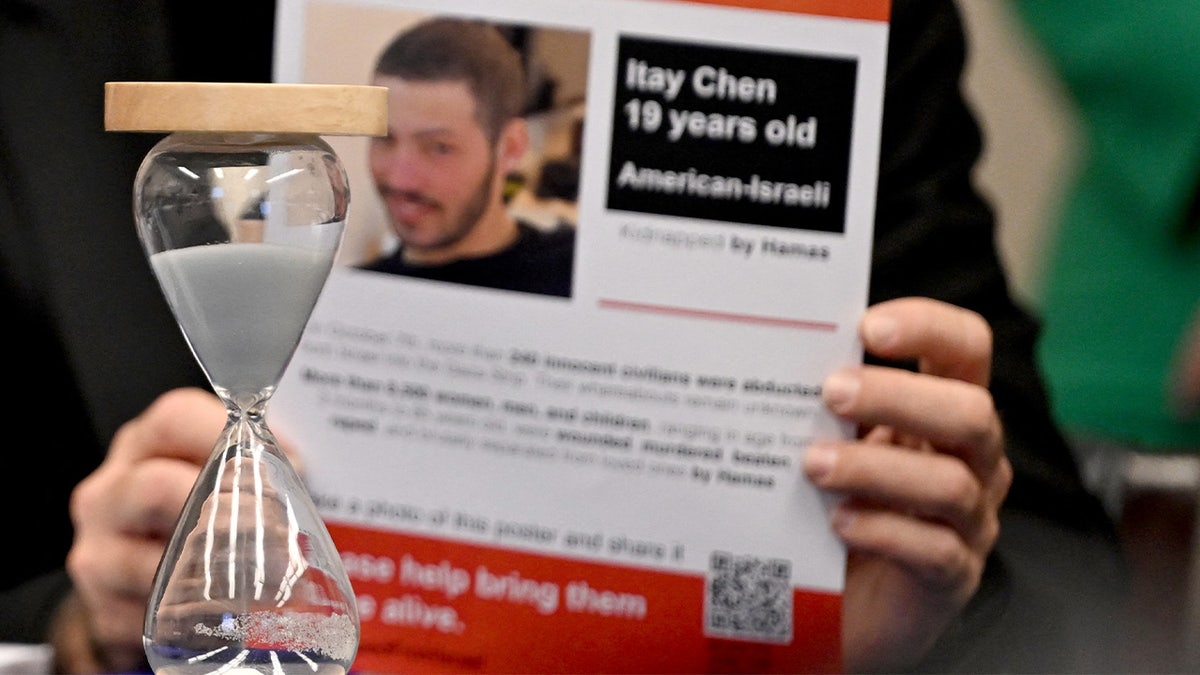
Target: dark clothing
{"points": [[1048, 601], [1045, 598], [89, 339], [539, 261]]}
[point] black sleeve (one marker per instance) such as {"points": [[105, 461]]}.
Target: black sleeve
{"points": [[69, 260], [1050, 588], [82, 310]]}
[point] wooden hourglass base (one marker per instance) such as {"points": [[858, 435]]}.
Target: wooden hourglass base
{"points": [[232, 107]]}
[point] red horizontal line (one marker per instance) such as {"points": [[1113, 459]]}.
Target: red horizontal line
{"points": [[875, 10], [720, 316]]}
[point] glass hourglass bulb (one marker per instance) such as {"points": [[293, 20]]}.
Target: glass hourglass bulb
{"points": [[241, 229]]}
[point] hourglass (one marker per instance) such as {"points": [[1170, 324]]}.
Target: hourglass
{"points": [[240, 210]]}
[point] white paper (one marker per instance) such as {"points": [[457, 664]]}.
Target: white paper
{"points": [[659, 414]]}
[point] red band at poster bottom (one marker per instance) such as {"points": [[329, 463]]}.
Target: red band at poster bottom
{"points": [[434, 605]]}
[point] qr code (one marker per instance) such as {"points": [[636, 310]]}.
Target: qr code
{"points": [[748, 598]]}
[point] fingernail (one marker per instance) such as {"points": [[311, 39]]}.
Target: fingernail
{"points": [[839, 390], [818, 462], [878, 331]]}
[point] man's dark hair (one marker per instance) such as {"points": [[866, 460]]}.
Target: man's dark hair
{"points": [[463, 50]]}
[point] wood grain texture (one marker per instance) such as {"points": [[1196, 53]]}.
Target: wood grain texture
{"points": [[167, 107]]}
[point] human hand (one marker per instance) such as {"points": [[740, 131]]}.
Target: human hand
{"points": [[124, 514], [1184, 380], [921, 487]]}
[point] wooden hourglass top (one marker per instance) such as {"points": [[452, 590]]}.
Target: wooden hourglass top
{"points": [[323, 109]]}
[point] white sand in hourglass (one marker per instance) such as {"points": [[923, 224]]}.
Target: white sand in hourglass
{"points": [[242, 306]]}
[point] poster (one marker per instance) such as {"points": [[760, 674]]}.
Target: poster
{"points": [[607, 480]]}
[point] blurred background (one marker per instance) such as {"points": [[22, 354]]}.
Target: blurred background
{"points": [[1077, 98]]}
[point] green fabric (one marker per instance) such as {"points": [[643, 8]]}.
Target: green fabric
{"points": [[1122, 280]]}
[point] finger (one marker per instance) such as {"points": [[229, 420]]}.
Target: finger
{"points": [[182, 423], [1184, 379], [107, 569], [156, 494], [946, 340], [143, 498], [933, 553], [920, 484], [954, 416]]}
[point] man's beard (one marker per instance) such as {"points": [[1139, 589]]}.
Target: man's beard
{"points": [[473, 209]]}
